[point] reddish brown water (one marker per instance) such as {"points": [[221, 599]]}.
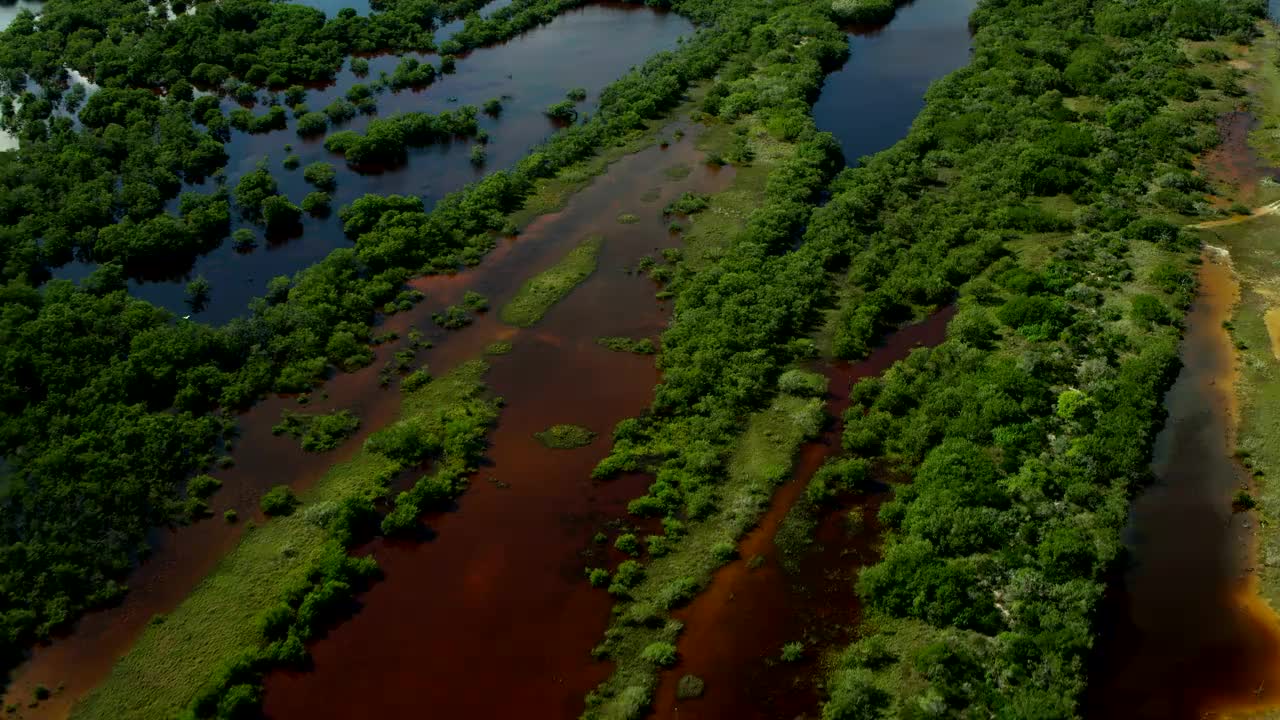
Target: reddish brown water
{"points": [[1186, 635], [493, 618], [617, 304], [735, 629], [1233, 161]]}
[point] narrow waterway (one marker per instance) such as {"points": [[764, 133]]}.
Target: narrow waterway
{"points": [[814, 604], [868, 104], [587, 47], [1186, 634]]}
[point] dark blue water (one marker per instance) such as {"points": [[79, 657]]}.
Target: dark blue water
{"points": [[870, 103], [588, 47]]}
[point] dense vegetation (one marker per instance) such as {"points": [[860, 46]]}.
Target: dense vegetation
{"points": [[1073, 123], [108, 402], [1036, 180]]}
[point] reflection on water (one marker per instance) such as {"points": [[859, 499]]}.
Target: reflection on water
{"points": [[869, 103], [587, 47], [1186, 634]]}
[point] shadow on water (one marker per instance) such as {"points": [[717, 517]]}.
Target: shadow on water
{"points": [[1185, 633], [494, 618], [586, 47]]}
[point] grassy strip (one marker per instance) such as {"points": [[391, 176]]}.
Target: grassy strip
{"points": [[1255, 259], [546, 288], [222, 621], [761, 461]]}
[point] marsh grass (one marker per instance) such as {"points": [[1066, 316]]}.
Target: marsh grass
{"points": [[1256, 260], [171, 661], [545, 289], [565, 437], [761, 460]]}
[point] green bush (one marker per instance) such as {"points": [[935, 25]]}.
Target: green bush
{"points": [[662, 654], [278, 501]]}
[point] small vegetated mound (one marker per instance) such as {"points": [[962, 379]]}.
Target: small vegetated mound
{"points": [[318, 433], [639, 346], [563, 111], [628, 218], [1243, 501], [689, 687], [199, 489], [415, 380], [566, 437], [279, 501], [793, 652], [386, 140], [547, 288], [688, 204], [501, 347], [454, 317], [863, 11]]}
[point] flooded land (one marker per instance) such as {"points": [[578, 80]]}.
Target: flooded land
{"points": [[486, 611]]}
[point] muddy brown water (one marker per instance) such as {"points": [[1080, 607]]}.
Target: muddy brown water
{"points": [[1233, 161], [1185, 634], [493, 618], [735, 630], [610, 303]]}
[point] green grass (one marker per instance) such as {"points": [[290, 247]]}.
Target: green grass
{"points": [[761, 460], [727, 211], [547, 287], [172, 660], [551, 194]]}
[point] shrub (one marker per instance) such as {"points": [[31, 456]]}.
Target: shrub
{"points": [[802, 383], [316, 203], [862, 11], [689, 687], [279, 501], [723, 552], [577, 94], [563, 111], [454, 317], [628, 575], [565, 437], [662, 654], [231, 515], [321, 174], [628, 544], [1243, 501], [203, 486], [792, 652], [598, 577]]}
